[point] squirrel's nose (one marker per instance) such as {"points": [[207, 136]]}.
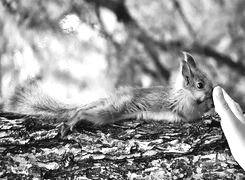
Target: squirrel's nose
{"points": [[198, 101]]}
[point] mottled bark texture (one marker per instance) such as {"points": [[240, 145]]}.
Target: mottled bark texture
{"points": [[130, 150]]}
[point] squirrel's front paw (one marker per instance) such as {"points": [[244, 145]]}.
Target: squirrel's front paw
{"points": [[66, 128], [69, 126]]}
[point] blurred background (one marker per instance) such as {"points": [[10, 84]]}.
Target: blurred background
{"points": [[83, 49]]}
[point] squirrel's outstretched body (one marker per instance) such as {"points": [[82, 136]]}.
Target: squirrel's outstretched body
{"points": [[185, 100]]}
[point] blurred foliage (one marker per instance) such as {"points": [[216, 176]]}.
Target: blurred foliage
{"points": [[77, 46]]}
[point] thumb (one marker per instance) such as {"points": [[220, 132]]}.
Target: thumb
{"points": [[221, 106], [234, 106]]}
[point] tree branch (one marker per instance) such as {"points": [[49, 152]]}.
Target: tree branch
{"points": [[114, 152], [119, 8], [184, 18], [104, 31], [203, 50], [123, 15]]}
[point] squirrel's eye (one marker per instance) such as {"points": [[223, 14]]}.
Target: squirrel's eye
{"points": [[200, 85]]}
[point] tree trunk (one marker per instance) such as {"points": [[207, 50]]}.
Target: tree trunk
{"points": [[129, 150]]}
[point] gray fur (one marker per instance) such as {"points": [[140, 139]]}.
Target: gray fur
{"points": [[177, 102]]}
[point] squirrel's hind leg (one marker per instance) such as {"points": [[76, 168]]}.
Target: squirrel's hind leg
{"points": [[95, 117]]}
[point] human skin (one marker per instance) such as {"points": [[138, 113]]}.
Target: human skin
{"points": [[232, 123]]}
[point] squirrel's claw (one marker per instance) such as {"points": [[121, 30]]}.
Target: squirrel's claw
{"points": [[68, 127], [65, 130]]}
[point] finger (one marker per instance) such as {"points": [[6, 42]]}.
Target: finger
{"points": [[231, 102], [229, 122], [239, 108], [234, 106], [221, 106]]}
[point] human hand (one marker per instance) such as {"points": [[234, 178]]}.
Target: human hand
{"points": [[232, 123]]}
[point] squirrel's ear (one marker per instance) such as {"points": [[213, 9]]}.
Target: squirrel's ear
{"points": [[186, 71], [188, 58]]}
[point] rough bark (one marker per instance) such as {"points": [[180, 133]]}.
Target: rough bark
{"points": [[130, 150]]}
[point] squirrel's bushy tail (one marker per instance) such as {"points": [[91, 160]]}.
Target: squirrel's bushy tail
{"points": [[28, 99]]}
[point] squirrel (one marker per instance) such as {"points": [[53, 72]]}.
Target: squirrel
{"points": [[186, 99]]}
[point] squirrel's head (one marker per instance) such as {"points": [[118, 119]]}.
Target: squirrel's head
{"points": [[195, 80]]}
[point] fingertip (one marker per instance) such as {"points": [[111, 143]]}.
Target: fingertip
{"points": [[219, 100], [220, 104], [217, 92]]}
